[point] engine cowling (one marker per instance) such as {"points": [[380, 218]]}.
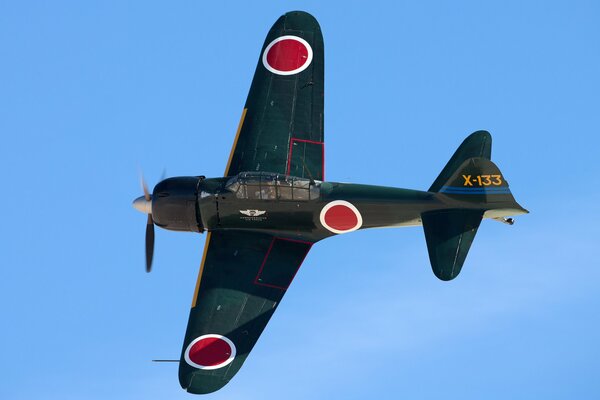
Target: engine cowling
{"points": [[175, 204]]}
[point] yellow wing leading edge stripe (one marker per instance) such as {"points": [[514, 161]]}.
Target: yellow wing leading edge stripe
{"points": [[195, 299], [237, 136]]}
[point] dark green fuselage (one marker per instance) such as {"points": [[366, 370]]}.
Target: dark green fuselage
{"points": [[379, 207], [218, 208]]}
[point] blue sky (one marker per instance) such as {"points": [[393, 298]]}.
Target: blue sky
{"points": [[93, 91]]}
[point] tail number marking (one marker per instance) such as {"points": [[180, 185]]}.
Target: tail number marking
{"points": [[482, 180]]}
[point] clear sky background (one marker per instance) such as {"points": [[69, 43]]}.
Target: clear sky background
{"points": [[90, 92]]}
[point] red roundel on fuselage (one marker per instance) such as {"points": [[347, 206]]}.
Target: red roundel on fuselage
{"points": [[210, 351], [287, 55], [341, 217]]}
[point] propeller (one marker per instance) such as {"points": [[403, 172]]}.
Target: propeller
{"points": [[149, 230], [144, 204]]}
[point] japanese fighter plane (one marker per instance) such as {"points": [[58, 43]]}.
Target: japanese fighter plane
{"points": [[273, 203]]}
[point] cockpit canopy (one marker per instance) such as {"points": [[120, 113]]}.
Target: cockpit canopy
{"points": [[270, 186]]}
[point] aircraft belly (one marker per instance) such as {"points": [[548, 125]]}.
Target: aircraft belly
{"points": [[373, 206], [292, 218]]}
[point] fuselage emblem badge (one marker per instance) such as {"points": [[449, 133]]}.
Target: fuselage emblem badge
{"points": [[253, 215]]}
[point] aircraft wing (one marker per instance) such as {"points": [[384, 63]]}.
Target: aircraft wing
{"points": [[281, 128], [242, 279]]}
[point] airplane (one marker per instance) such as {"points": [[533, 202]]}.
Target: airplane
{"points": [[272, 204]]}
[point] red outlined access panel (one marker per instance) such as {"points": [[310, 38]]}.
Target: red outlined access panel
{"points": [[313, 154], [282, 261]]}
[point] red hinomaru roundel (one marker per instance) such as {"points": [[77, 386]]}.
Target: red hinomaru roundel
{"points": [[340, 216], [287, 55], [210, 352]]}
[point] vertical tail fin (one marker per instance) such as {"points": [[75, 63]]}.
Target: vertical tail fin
{"points": [[473, 188], [477, 144], [478, 180]]}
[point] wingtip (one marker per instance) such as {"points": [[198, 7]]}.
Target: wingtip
{"points": [[480, 135], [201, 383], [300, 20]]}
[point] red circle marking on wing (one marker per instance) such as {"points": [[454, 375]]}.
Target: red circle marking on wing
{"points": [[341, 217], [210, 351], [287, 55]]}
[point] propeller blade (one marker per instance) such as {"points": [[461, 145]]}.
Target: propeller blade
{"points": [[145, 188], [149, 243]]}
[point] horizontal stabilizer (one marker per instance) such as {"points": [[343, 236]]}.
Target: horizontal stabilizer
{"points": [[449, 234]]}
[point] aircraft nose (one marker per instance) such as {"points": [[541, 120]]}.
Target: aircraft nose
{"points": [[143, 205]]}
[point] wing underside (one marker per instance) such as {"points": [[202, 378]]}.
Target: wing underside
{"points": [[281, 129], [243, 277]]}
